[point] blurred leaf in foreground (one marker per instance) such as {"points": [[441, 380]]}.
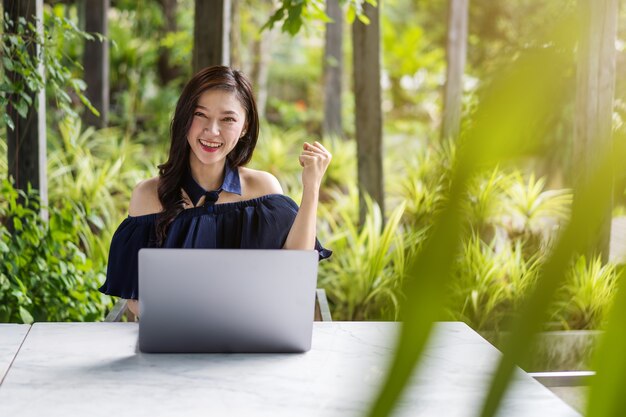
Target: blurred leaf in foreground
{"points": [[511, 118]]}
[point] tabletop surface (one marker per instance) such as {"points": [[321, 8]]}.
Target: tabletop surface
{"points": [[11, 337], [67, 369]]}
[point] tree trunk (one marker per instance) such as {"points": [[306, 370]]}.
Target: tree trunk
{"points": [[333, 68], [368, 112], [96, 63], [168, 72], [235, 35], [456, 52], [260, 69], [211, 43], [26, 144], [594, 106]]}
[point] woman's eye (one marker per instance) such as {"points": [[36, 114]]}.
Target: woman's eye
{"points": [[229, 119], [200, 114]]}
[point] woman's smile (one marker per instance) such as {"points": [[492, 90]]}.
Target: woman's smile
{"points": [[209, 146]]}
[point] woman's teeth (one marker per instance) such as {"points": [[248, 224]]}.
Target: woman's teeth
{"points": [[214, 145]]}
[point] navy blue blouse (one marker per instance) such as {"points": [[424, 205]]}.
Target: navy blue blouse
{"points": [[259, 223]]}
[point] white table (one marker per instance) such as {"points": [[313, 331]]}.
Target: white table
{"points": [[11, 338], [93, 369]]}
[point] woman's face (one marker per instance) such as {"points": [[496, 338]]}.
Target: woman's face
{"points": [[219, 120]]}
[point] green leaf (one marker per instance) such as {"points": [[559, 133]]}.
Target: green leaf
{"points": [[364, 19], [9, 122], [78, 84], [96, 221], [25, 315], [22, 108], [27, 98], [8, 64]]}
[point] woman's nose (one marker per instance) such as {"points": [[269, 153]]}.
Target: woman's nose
{"points": [[212, 128]]}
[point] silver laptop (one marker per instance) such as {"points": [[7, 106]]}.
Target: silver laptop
{"points": [[226, 300]]}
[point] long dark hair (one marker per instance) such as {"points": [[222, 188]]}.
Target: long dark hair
{"points": [[172, 172]]}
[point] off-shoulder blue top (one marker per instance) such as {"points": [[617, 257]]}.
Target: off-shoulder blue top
{"points": [[259, 223]]}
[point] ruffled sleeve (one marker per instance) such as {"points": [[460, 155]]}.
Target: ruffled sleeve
{"points": [[133, 234], [272, 220]]}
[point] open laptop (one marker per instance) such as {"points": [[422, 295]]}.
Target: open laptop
{"points": [[226, 300]]}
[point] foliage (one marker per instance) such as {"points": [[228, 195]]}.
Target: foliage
{"points": [[277, 152], [421, 182], [606, 396], [44, 274], [95, 171], [509, 108], [489, 285], [141, 104], [511, 218], [364, 279], [414, 78], [21, 78], [91, 176], [587, 296], [295, 13], [533, 211]]}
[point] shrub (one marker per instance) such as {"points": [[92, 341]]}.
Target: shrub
{"points": [[45, 274], [585, 299], [364, 278]]}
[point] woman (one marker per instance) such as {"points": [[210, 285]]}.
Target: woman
{"points": [[204, 197]]}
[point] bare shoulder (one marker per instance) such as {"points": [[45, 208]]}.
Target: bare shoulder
{"points": [[145, 198], [257, 183]]}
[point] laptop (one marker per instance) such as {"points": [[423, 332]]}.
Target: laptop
{"points": [[226, 300]]}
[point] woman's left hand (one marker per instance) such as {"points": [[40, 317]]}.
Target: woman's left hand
{"points": [[314, 159]]}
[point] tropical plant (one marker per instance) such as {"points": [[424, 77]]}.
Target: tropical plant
{"points": [[21, 78], [422, 182], [293, 14], [534, 215], [95, 171], [44, 274], [516, 106], [489, 285], [484, 206], [587, 296], [364, 279], [277, 152]]}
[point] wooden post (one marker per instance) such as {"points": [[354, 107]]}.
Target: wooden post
{"points": [[333, 68], [211, 45], [26, 144], [368, 111], [594, 105], [96, 63], [456, 52]]}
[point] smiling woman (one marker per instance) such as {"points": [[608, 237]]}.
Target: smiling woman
{"points": [[204, 196]]}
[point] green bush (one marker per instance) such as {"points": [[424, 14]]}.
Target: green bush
{"points": [[45, 274], [364, 278], [583, 303], [96, 169], [490, 284]]}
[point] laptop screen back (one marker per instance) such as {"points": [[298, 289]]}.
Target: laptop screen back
{"points": [[226, 300]]}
